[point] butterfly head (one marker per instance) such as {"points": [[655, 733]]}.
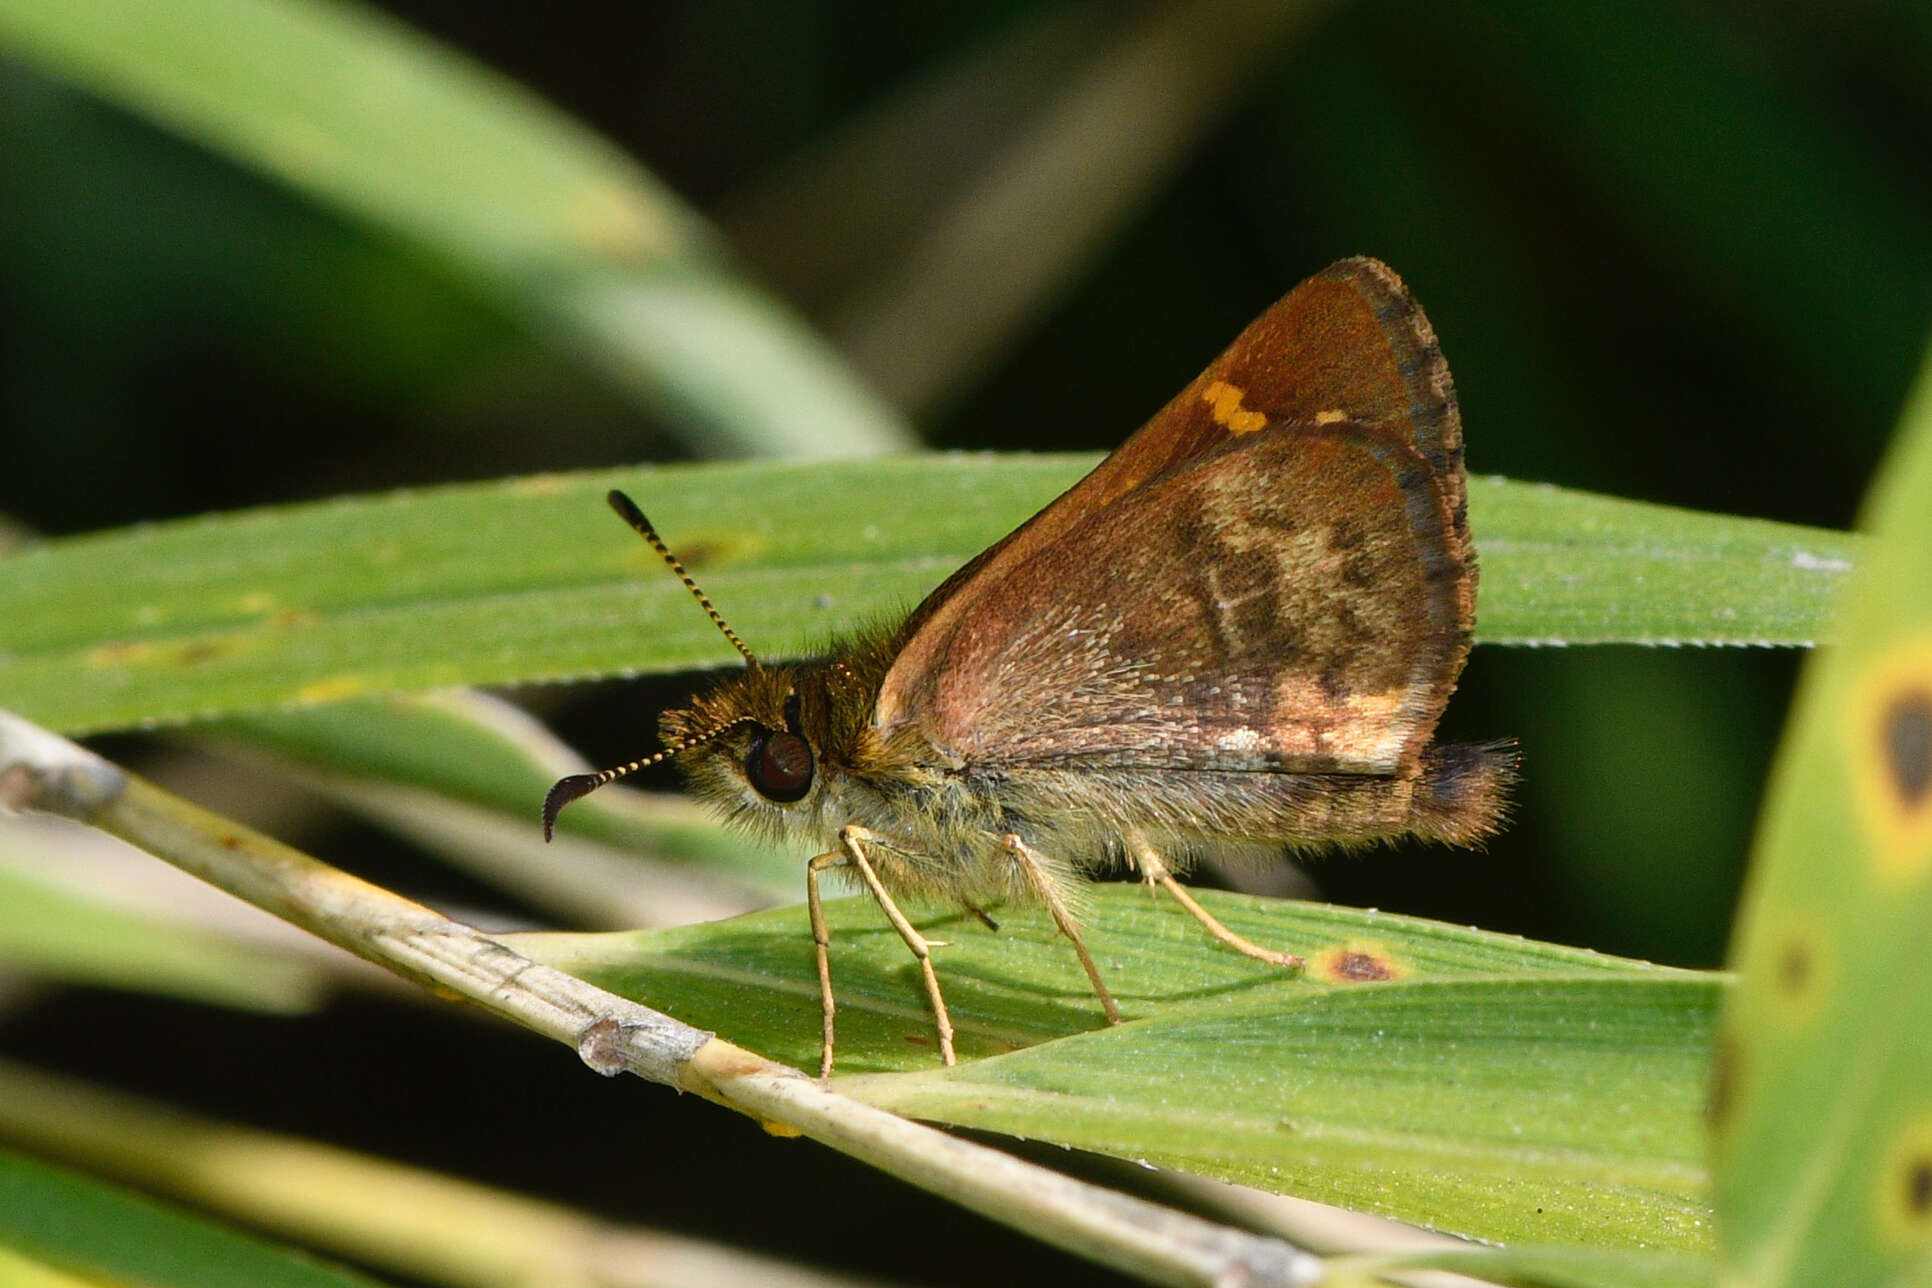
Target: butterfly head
{"points": [[745, 749], [754, 745]]}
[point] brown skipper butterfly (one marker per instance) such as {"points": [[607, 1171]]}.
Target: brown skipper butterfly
{"points": [[1239, 630]]}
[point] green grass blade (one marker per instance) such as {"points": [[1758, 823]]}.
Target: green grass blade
{"points": [[1824, 1139], [1494, 1087], [1562, 1110], [104, 1234], [54, 934], [1563, 567], [752, 978], [533, 580], [366, 117], [483, 751]]}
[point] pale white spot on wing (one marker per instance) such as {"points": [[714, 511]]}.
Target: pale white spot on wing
{"points": [[1242, 739]]}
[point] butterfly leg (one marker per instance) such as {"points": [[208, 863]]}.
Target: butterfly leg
{"points": [[822, 942], [851, 853], [1036, 873], [1154, 869]]}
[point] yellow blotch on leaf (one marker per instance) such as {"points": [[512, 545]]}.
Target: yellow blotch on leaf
{"points": [[120, 652], [1355, 963], [1890, 733], [333, 689], [1904, 1186]]}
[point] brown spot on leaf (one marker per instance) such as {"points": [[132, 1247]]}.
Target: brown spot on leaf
{"points": [[1889, 722], [1908, 747], [1793, 963], [1794, 968], [1902, 1186], [698, 553], [119, 652], [1362, 966], [1918, 1188], [1355, 964]]}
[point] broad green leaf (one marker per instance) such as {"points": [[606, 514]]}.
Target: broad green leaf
{"points": [[532, 579], [1492, 1086], [752, 978], [357, 112], [1557, 1110], [1824, 1133], [1563, 567], [101, 1233]]}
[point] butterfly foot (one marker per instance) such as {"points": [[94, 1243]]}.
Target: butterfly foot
{"points": [[1154, 871]]}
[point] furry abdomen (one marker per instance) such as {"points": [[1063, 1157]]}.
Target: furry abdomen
{"points": [[1457, 796], [1080, 820]]}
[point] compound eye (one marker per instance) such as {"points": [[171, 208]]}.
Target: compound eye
{"points": [[779, 765]]}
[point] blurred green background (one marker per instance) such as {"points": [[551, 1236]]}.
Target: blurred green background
{"points": [[1675, 251]]}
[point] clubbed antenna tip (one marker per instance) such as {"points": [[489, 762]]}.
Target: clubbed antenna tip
{"points": [[578, 786], [627, 511], [565, 791]]}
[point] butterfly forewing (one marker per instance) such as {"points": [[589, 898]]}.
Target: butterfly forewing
{"points": [[1320, 455], [1352, 340], [1295, 612]]}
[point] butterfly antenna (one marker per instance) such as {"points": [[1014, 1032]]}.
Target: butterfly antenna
{"points": [[578, 786], [627, 511]]}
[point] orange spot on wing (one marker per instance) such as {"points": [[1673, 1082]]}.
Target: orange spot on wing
{"points": [[1224, 404]]}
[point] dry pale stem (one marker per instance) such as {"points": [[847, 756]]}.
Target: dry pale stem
{"points": [[613, 1034]]}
